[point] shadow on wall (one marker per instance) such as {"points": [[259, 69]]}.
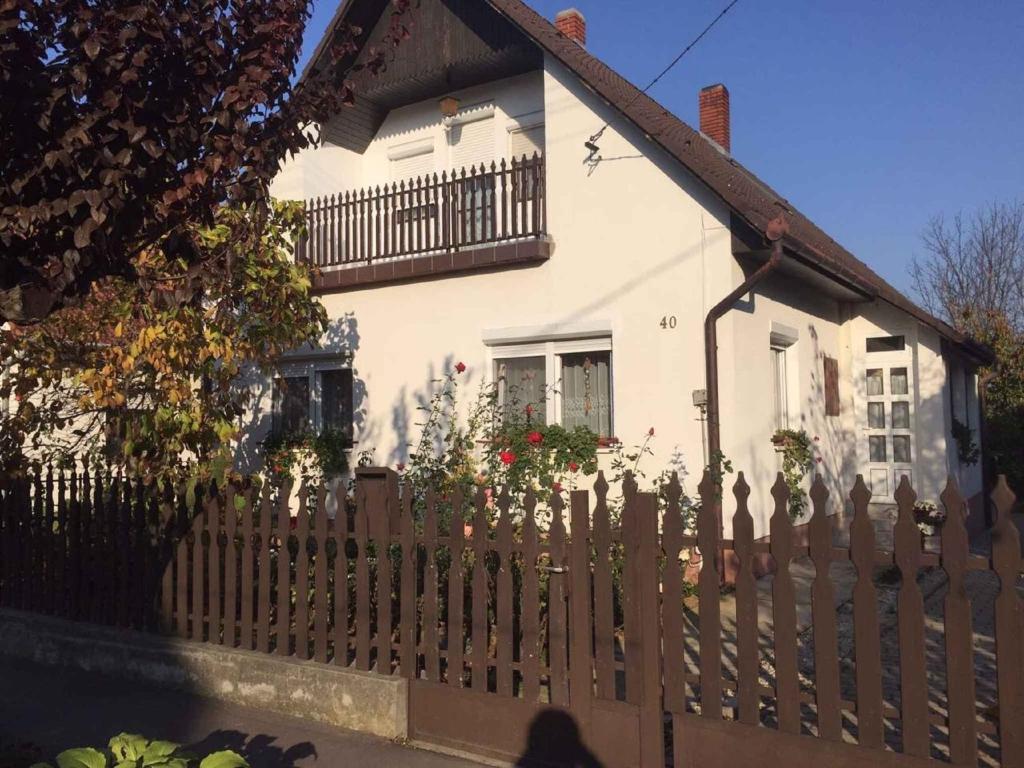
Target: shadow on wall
{"points": [[406, 427], [340, 342]]}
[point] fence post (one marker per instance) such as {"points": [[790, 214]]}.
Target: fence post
{"points": [[581, 663], [652, 737], [1009, 621]]}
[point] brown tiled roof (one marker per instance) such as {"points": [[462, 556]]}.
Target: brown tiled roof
{"points": [[749, 197]]}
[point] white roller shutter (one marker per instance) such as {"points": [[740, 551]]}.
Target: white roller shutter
{"points": [[473, 144], [411, 166], [525, 141]]}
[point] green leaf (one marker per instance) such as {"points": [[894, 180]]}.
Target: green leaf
{"points": [[159, 753], [83, 757], [225, 759], [40, 765], [127, 746]]}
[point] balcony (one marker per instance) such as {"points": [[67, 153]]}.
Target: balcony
{"points": [[428, 226]]}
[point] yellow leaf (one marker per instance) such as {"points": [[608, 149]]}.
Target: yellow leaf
{"points": [[118, 330]]}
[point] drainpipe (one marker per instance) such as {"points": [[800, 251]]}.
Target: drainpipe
{"points": [[776, 229]]}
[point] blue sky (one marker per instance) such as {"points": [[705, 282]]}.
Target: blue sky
{"points": [[869, 116]]}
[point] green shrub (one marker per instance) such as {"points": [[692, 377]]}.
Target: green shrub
{"points": [[129, 750]]}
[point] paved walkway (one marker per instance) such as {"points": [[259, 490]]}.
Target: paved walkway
{"points": [[57, 709]]}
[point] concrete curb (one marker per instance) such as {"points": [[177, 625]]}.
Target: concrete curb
{"points": [[359, 701]]}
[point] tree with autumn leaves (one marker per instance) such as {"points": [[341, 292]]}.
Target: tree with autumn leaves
{"points": [[144, 265], [126, 125]]}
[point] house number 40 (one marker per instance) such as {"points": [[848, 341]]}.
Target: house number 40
{"points": [[668, 321]]}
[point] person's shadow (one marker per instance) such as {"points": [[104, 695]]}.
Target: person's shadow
{"points": [[554, 740]]}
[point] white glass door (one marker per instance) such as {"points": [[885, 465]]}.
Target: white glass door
{"points": [[889, 427]]}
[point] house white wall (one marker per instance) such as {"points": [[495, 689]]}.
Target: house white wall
{"points": [[637, 240]]}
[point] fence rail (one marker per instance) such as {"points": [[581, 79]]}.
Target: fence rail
{"points": [[504, 202], [499, 596]]}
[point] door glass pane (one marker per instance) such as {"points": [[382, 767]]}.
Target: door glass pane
{"points": [[521, 383], [901, 415], [901, 449], [291, 406], [898, 381], [586, 391], [876, 415], [875, 382], [876, 448]]}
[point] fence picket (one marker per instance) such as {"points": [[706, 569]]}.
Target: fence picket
{"points": [[963, 739], [263, 571], [604, 598], [49, 544], [581, 670], [231, 501], [302, 574], [213, 529], [630, 593], [167, 532], [321, 588], [381, 529], [181, 614], [282, 618], [199, 571], [1009, 627], [341, 601], [504, 610], [672, 598], [529, 643], [747, 661], [867, 645], [823, 617], [141, 571], [787, 683], [910, 617], [431, 661], [362, 581], [408, 660], [480, 593], [454, 631], [247, 586], [60, 570], [708, 537]]}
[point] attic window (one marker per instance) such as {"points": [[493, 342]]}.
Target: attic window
{"points": [[886, 344]]}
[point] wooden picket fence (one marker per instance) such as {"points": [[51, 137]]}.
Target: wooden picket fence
{"points": [[499, 610]]}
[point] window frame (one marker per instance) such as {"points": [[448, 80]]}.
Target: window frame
{"points": [[780, 384], [312, 369], [552, 352]]}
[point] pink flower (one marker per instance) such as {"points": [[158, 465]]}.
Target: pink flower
{"points": [[818, 459], [650, 432], [573, 466], [816, 438], [535, 438], [529, 409], [400, 466], [507, 457], [460, 367], [556, 487]]}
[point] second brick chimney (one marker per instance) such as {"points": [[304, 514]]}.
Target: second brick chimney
{"points": [[714, 114], [571, 23]]}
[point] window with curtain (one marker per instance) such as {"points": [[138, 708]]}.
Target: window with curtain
{"points": [[780, 388], [336, 401], [875, 382], [522, 382], [291, 406], [586, 391]]}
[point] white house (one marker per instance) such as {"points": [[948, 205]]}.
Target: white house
{"points": [[612, 243]]}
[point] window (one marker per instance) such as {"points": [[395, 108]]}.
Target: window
{"points": [[780, 388], [886, 344], [901, 449], [898, 381], [831, 376], [876, 448], [875, 382], [313, 398], [876, 415], [562, 382], [901, 415], [526, 141]]}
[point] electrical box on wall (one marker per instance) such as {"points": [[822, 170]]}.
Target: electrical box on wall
{"points": [[700, 397]]}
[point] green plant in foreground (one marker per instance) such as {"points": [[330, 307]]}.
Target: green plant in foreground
{"points": [[129, 750], [797, 461]]}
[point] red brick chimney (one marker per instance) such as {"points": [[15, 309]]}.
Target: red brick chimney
{"points": [[571, 23], [714, 114]]}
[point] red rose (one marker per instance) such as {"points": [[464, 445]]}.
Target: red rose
{"points": [[818, 459], [573, 466], [529, 409], [400, 467], [460, 367], [557, 487], [650, 432], [507, 457], [535, 438]]}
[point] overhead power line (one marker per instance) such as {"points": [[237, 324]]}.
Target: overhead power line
{"points": [[666, 70]]}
